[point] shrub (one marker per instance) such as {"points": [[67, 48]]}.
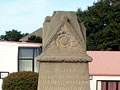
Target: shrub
{"points": [[20, 81]]}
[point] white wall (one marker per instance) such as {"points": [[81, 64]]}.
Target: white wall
{"points": [[0, 84], [8, 59], [93, 82]]}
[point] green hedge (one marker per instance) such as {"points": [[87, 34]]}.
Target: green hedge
{"points": [[20, 81]]}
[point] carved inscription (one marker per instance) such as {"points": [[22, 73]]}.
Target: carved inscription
{"points": [[61, 82], [84, 77], [64, 88], [64, 78]]}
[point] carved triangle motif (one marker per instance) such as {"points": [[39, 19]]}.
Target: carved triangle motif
{"points": [[65, 38]]}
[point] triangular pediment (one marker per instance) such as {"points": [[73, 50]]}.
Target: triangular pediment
{"points": [[64, 42], [64, 36]]}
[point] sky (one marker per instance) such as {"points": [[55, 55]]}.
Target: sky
{"points": [[28, 15]]}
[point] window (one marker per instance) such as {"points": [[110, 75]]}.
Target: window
{"points": [[108, 85], [3, 74], [27, 59]]}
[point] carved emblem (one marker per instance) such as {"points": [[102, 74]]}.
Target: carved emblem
{"points": [[65, 39]]}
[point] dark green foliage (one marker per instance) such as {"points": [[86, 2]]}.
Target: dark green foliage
{"points": [[102, 21], [21, 81], [13, 35], [34, 38]]}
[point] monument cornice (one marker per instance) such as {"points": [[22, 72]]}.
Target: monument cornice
{"points": [[65, 59]]}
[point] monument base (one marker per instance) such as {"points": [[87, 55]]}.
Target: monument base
{"points": [[63, 76]]}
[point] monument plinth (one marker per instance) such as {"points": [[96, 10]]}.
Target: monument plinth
{"points": [[64, 62]]}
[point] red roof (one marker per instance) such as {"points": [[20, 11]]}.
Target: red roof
{"points": [[105, 63], [21, 42]]}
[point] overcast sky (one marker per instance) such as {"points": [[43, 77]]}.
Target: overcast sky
{"points": [[28, 15]]}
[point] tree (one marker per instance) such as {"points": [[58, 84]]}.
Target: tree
{"points": [[34, 38], [13, 35], [102, 22]]}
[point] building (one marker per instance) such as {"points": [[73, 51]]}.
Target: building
{"points": [[37, 33], [20, 56], [104, 70]]}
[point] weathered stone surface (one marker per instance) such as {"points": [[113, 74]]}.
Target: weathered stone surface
{"points": [[64, 38], [63, 76], [63, 62]]}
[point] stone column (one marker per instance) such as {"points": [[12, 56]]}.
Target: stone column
{"points": [[64, 62]]}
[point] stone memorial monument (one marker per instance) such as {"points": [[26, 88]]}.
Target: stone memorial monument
{"points": [[63, 62]]}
